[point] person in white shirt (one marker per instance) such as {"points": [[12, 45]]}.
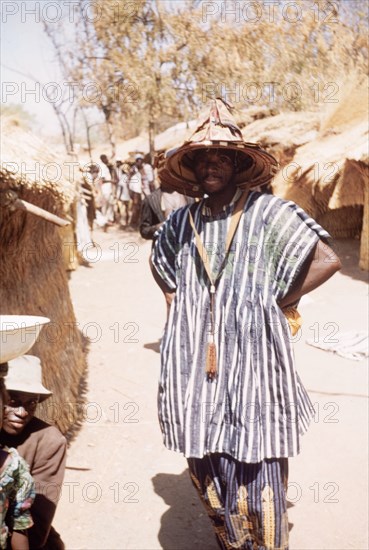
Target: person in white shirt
{"points": [[123, 194], [141, 181]]}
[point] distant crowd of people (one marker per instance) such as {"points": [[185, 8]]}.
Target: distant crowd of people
{"points": [[114, 192], [126, 194]]}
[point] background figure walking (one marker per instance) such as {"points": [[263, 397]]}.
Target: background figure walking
{"points": [[141, 182], [123, 196]]}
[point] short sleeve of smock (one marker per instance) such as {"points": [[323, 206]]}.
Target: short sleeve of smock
{"points": [[24, 497], [164, 253], [291, 235]]}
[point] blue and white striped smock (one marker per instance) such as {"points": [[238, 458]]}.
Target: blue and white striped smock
{"points": [[257, 407]]}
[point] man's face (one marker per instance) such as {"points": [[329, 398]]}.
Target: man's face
{"points": [[19, 411], [139, 162], [214, 169]]}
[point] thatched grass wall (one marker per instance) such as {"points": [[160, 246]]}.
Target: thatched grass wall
{"points": [[283, 133], [34, 280], [328, 176]]}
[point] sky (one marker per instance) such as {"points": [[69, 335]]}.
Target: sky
{"points": [[27, 55], [26, 49]]}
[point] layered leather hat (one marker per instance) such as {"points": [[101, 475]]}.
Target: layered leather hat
{"points": [[216, 130]]}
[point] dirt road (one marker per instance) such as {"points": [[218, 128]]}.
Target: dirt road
{"points": [[124, 490]]}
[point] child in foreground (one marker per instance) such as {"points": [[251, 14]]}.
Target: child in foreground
{"points": [[16, 493]]}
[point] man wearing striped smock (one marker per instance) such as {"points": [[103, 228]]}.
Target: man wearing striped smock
{"points": [[228, 265]]}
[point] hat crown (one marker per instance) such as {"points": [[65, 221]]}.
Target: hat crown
{"points": [[25, 375], [218, 125]]}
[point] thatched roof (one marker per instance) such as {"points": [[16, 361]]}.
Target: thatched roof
{"points": [[32, 271], [283, 133], [174, 136], [328, 176], [171, 137], [28, 161], [139, 143], [289, 130], [327, 173]]}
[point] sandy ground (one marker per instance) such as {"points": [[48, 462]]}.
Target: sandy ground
{"points": [[124, 490]]}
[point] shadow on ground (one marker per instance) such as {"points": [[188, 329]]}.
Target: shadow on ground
{"points": [[185, 525], [348, 251]]}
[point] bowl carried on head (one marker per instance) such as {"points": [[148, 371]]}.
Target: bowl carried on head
{"points": [[18, 333]]}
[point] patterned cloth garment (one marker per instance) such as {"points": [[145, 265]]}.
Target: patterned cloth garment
{"points": [[245, 502], [17, 494], [257, 407]]}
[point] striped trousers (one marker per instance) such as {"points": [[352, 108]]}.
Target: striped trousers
{"points": [[245, 502]]}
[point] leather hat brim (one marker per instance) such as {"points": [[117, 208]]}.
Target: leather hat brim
{"points": [[255, 167]]}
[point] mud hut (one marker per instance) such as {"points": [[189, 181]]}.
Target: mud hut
{"points": [[328, 176], [281, 134], [33, 277]]}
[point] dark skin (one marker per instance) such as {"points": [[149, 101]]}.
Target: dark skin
{"points": [[19, 539], [19, 411], [215, 173]]}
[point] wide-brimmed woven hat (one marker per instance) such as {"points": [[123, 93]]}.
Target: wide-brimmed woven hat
{"points": [[216, 130], [25, 375]]}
